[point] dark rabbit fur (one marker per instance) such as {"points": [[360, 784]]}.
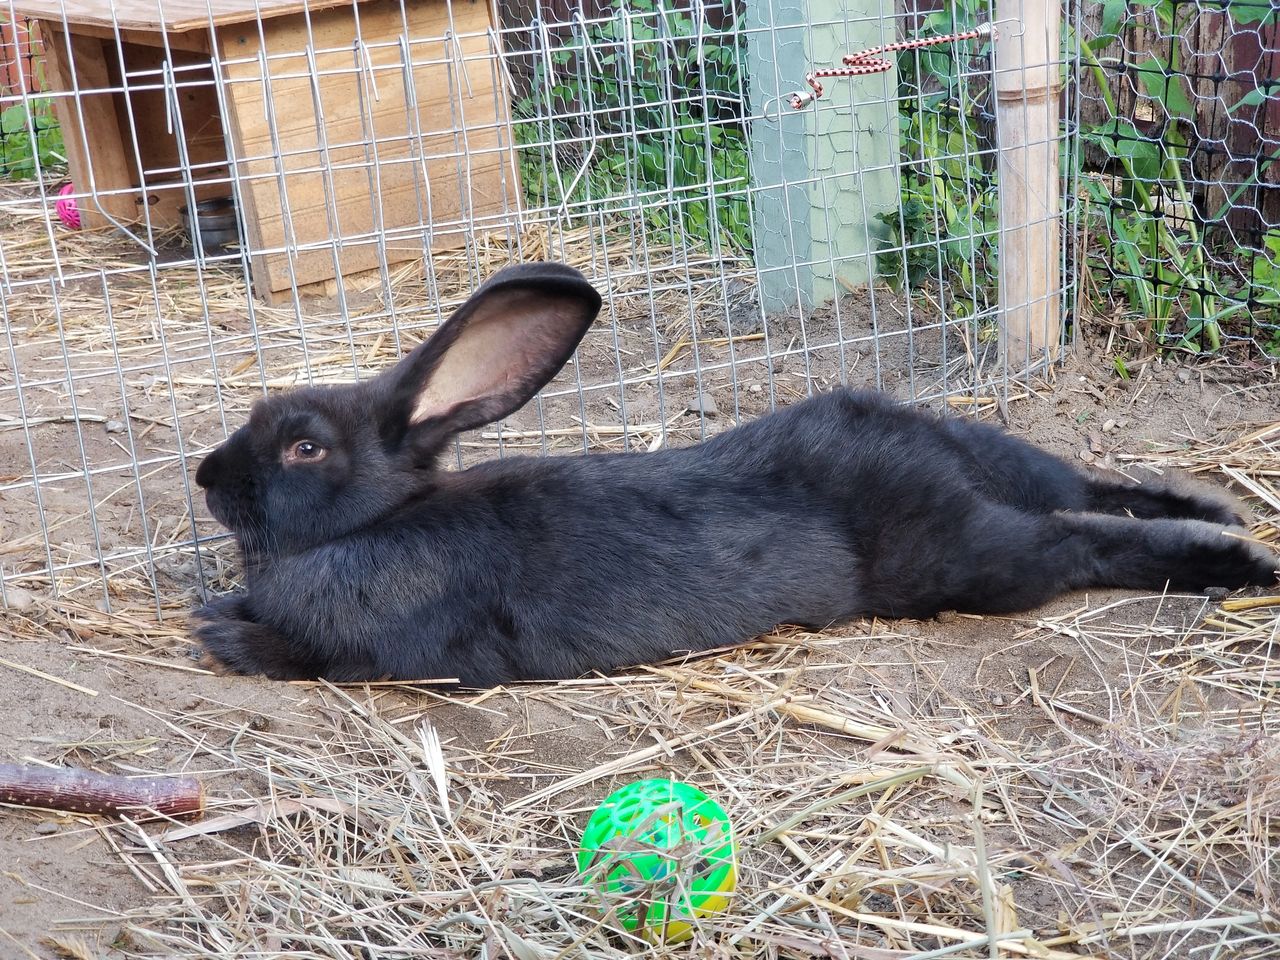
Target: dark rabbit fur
{"points": [[365, 561]]}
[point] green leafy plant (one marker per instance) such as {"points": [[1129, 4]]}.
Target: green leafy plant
{"points": [[1265, 273], [1154, 242], [1164, 267], [1263, 293], [30, 132], [645, 107]]}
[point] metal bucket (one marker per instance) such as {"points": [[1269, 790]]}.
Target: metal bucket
{"points": [[217, 225]]}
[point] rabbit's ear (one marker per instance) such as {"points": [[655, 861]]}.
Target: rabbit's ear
{"points": [[497, 351]]}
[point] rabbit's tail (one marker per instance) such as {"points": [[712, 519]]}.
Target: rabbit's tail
{"points": [[1167, 496]]}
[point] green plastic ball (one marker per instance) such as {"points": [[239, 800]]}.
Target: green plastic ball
{"points": [[662, 855]]}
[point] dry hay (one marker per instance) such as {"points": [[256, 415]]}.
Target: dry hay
{"points": [[870, 825]]}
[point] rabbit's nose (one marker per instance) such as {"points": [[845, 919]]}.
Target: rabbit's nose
{"points": [[209, 469]]}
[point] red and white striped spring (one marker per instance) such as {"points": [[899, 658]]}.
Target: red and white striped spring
{"points": [[870, 61]]}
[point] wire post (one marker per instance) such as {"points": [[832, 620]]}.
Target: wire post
{"points": [[1027, 85]]}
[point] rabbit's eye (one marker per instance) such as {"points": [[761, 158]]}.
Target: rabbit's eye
{"points": [[304, 451]]}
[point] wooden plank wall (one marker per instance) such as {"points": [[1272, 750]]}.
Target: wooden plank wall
{"points": [[347, 164]]}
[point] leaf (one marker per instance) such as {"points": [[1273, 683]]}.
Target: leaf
{"points": [[939, 65], [889, 266], [963, 235], [1251, 11], [1113, 15], [1258, 96], [1122, 140], [13, 119], [1165, 88], [1265, 263], [1164, 9], [955, 18]]}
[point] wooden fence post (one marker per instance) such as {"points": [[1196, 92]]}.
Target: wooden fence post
{"points": [[1027, 89]]}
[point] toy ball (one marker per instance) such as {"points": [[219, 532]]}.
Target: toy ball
{"points": [[66, 207], [662, 855]]}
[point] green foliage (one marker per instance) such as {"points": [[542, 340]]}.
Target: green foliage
{"points": [[26, 136], [1159, 264], [1113, 16], [1265, 273], [1166, 87], [641, 107], [1258, 13], [1153, 243], [1257, 96], [946, 226], [1264, 287], [1151, 236]]}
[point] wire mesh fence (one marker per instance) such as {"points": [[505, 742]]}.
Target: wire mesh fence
{"points": [[248, 197], [1181, 119]]}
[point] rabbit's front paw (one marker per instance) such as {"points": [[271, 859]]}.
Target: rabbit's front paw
{"points": [[230, 646], [232, 643]]}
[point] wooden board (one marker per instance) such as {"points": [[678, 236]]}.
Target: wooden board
{"points": [[194, 41], [361, 163], [156, 16]]}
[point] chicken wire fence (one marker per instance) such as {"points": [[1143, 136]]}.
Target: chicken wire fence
{"points": [[1180, 117], [240, 198]]}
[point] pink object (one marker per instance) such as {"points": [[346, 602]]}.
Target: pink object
{"points": [[66, 207]]}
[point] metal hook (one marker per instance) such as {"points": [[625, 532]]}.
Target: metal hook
{"points": [[365, 62], [586, 42], [170, 95]]}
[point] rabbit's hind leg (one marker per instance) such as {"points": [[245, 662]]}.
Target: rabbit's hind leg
{"points": [[1171, 495], [1013, 472], [1000, 560], [1073, 551], [989, 558], [1109, 551]]}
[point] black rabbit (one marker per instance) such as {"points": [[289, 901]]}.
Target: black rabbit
{"points": [[365, 561]]}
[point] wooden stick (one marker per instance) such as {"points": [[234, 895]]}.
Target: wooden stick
{"points": [[86, 791], [1249, 603]]}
